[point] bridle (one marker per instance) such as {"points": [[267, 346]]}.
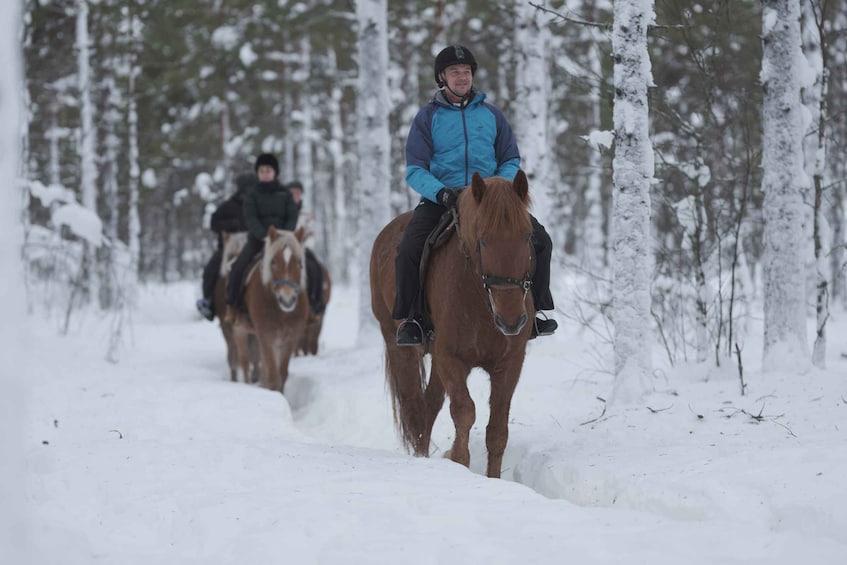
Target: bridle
{"points": [[286, 282], [496, 280]]}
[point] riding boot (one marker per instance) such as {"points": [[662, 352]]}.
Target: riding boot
{"points": [[543, 326], [410, 332], [206, 309], [543, 247]]}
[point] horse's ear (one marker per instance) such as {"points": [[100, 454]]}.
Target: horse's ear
{"points": [[477, 187], [521, 185], [272, 235], [300, 234]]}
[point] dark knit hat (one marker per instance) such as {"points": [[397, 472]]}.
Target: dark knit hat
{"points": [[295, 184], [453, 55], [269, 160]]}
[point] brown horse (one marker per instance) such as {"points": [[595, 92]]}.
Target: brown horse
{"points": [[309, 343], [232, 245], [277, 307], [477, 284]]}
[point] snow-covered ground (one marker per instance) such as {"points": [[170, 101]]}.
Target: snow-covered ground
{"points": [[160, 459]]}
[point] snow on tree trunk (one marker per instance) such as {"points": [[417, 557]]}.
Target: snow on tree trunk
{"points": [[372, 108], [532, 39], [817, 52], [782, 160], [305, 163], [134, 223], [54, 134], [227, 148], [633, 172], [12, 516], [594, 245], [88, 166], [340, 249]]}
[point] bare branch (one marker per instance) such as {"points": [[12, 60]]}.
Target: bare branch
{"points": [[581, 21], [597, 419]]}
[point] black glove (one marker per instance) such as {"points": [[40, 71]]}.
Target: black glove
{"points": [[448, 197]]}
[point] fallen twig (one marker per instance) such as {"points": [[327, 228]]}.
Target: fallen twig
{"points": [[597, 419]]}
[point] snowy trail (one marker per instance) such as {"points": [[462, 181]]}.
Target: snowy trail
{"points": [[162, 458]]}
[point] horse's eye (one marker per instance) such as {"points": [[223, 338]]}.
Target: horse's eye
{"points": [[482, 242]]}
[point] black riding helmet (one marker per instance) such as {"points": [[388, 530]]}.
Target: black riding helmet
{"points": [[453, 55]]}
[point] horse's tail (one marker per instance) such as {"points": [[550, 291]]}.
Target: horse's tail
{"points": [[405, 375]]}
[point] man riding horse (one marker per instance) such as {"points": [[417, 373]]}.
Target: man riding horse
{"points": [[456, 134]]}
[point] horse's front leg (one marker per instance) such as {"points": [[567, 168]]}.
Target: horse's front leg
{"points": [[503, 383], [454, 376], [242, 353], [231, 351], [270, 373], [285, 351]]}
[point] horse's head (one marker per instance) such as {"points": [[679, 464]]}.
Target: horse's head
{"points": [[496, 231], [283, 269]]}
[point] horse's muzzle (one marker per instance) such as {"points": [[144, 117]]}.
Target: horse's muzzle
{"points": [[507, 329], [286, 303]]}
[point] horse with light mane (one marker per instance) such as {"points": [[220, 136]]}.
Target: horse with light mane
{"points": [[233, 242], [478, 288], [276, 307]]}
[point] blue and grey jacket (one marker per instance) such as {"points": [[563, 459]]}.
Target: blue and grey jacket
{"points": [[448, 143]]}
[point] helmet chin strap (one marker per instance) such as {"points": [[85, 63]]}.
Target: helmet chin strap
{"points": [[463, 100]]}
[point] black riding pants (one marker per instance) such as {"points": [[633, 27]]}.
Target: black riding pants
{"points": [[239, 270], [211, 272], [315, 282], [408, 302]]}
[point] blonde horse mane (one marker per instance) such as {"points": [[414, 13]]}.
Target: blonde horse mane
{"points": [[234, 242]]}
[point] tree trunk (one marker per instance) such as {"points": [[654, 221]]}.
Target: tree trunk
{"points": [[88, 167], [633, 171], [532, 43], [12, 537], [785, 346], [373, 108]]}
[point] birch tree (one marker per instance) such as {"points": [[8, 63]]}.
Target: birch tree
{"points": [[303, 150], [532, 87], [12, 539], [819, 59], [782, 160], [633, 173], [88, 169], [373, 109], [133, 222], [339, 249]]}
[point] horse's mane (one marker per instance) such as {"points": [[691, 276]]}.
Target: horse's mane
{"points": [[284, 240], [234, 243], [501, 209]]}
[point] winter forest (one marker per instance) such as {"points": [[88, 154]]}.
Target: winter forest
{"points": [[688, 159], [139, 114]]}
